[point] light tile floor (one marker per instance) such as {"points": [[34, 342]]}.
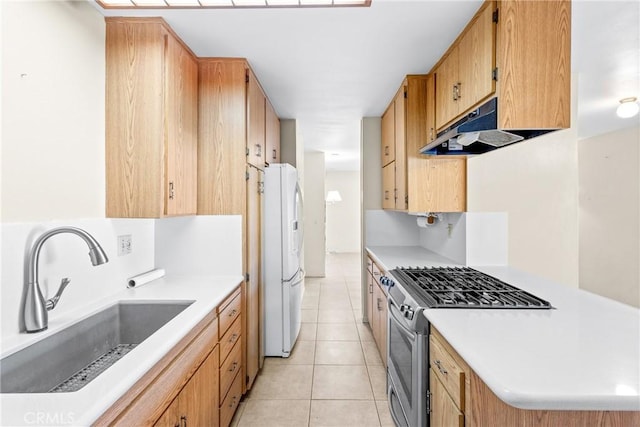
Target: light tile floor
{"points": [[334, 376]]}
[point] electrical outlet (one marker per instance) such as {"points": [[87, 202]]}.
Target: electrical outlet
{"points": [[124, 245]]}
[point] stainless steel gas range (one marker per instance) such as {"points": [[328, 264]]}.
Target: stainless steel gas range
{"points": [[411, 291]]}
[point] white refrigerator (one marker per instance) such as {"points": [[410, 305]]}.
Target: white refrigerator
{"points": [[282, 246]]}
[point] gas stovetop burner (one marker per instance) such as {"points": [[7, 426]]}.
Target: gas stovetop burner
{"points": [[464, 287]]}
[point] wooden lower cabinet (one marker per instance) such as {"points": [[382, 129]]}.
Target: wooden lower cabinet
{"points": [[444, 412], [197, 403], [378, 311], [459, 397], [198, 383]]}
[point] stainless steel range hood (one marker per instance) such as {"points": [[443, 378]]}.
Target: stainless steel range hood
{"points": [[477, 133]]}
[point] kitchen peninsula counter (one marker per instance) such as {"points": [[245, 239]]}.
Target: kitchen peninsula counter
{"points": [[584, 354], [83, 407]]}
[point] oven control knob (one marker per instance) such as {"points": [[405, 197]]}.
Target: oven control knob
{"points": [[386, 281], [404, 307], [408, 313]]}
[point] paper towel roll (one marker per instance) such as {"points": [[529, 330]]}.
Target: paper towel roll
{"points": [[422, 222], [143, 278]]}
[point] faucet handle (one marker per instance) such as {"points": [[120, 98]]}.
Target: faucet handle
{"points": [[51, 303]]}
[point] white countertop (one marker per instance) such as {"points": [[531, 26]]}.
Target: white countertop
{"points": [[83, 407], [582, 355]]}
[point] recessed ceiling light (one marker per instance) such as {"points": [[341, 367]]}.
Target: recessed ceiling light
{"points": [[628, 107], [315, 2], [283, 2], [216, 3], [127, 4], [182, 3], [249, 2], [117, 3], [149, 2]]}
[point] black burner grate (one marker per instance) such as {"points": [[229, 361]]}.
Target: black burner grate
{"points": [[464, 287]]}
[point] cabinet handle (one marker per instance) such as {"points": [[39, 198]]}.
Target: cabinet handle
{"points": [[258, 150], [233, 312], [233, 338], [378, 301], [386, 194], [440, 368], [275, 154], [395, 194], [386, 150], [233, 367], [459, 90], [171, 191], [183, 421], [431, 134], [371, 288], [455, 93]]}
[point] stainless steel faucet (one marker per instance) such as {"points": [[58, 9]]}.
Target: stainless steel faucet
{"points": [[36, 318]]}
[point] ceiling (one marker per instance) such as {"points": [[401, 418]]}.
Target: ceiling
{"points": [[329, 67]]}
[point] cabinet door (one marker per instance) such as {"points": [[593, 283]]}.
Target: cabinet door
{"points": [[388, 135], [181, 99], [272, 135], [444, 413], [400, 191], [199, 398], [445, 184], [446, 82], [253, 285], [222, 131], [388, 186], [134, 137], [171, 416], [476, 61], [382, 325], [255, 122]]}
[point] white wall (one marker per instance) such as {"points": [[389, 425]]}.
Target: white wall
{"points": [[371, 164], [609, 171], [314, 215], [343, 218], [53, 82], [536, 183]]}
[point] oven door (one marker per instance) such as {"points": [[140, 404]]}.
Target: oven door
{"points": [[402, 348]]}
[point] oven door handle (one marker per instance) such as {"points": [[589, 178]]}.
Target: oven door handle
{"points": [[399, 321], [390, 395]]}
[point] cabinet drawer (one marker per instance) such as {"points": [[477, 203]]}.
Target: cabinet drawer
{"points": [[230, 403], [448, 370], [229, 368], [228, 312], [230, 338]]}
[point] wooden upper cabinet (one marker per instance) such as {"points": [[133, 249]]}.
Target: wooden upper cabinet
{"points": [[388, 152], [151, 120], [222, 127], [476, 60], [416, 182], [272, 135], [518, 51], [182, 127], [256, 104], [400, 149], [464, 77], [534, 64], [388, 186], [446, 81]]}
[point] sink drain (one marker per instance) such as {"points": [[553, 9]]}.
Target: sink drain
{"points": [[92, 370]]}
